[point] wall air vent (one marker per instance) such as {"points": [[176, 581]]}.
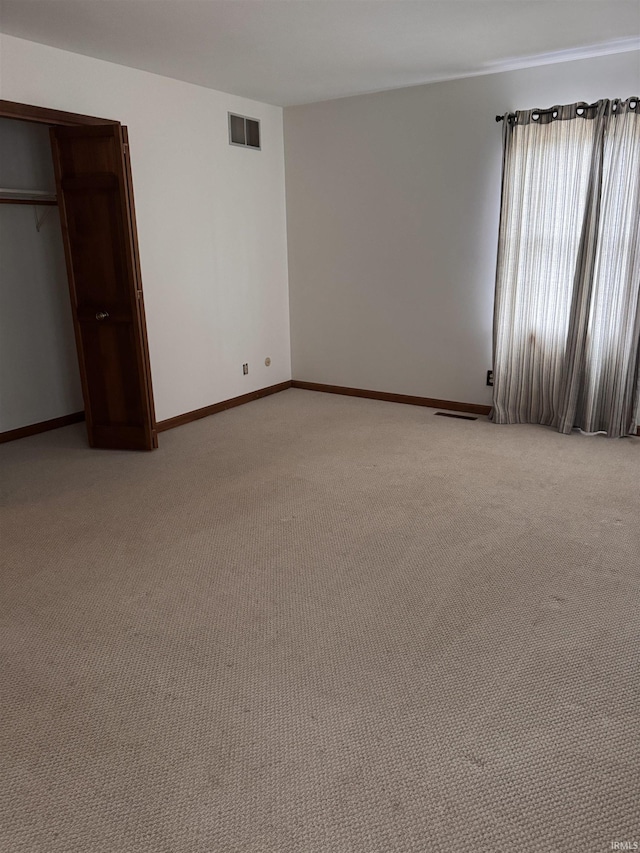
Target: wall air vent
{"points": [[244, 131]]}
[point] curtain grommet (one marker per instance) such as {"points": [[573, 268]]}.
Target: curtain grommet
{"points": [[535, 116], [579, 111], [555, 114], [633, 105]]}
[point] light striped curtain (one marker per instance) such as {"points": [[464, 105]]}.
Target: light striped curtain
{"points": [[567, 309]]}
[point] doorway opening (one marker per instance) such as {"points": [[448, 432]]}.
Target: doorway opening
{"points": [[92, 187]]}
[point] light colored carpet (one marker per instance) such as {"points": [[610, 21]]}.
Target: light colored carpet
{"points": [[318, 623]]}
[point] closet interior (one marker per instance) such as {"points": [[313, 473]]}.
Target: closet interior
{"points": [[39, 372]]}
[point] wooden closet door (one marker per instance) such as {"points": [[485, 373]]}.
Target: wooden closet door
{"points": [[95, 198]]}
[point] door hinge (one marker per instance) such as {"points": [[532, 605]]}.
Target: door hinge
{"points": [[125, 145], [138, 294]]}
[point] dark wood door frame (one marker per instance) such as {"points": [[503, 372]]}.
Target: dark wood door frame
{"points": [[60, 118], [43, 115]]}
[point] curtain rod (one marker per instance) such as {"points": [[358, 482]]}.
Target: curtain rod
{"points": [[511, 116]]}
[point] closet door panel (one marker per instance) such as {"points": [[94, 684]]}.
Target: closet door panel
{"points": [[95, 197]]}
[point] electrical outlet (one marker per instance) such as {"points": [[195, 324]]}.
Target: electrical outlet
{"points": [[245, 369], [490, 378]]}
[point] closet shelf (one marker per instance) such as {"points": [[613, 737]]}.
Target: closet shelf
{"points": [[16, 196]]}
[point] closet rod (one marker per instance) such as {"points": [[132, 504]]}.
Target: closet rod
{"points": [[38, 202], [17, 196]]}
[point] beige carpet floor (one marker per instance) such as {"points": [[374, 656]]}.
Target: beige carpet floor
{"points": [[317, 623]]}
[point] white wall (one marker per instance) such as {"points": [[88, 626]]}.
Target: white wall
{"points": [[393, 202], [211, 219], [39, 375]]}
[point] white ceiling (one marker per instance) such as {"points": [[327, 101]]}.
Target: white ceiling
{"points": [[296, 51]]}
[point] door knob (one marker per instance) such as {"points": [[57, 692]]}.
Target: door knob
{"points": [[102, 315]]}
